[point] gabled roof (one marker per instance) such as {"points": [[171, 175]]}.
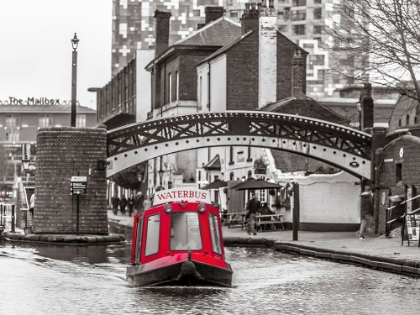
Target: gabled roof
{"points": [[238, 40], [226, 47], [211, 37], [217, 33], [214, 164], [301, 106]]}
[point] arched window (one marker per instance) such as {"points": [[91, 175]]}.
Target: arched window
{"points": [[231, 176], [399, 123], [415, 120], [407, 120], [249, 174]]}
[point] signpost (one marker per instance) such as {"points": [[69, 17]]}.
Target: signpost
{"points": [[78, 187]]}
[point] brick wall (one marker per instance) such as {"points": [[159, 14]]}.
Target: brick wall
{"points": [[389, 157], [55, 208], [242, 74], [285, 53]]}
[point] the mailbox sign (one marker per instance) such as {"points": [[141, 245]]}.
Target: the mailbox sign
{"points": [[78, 185]]}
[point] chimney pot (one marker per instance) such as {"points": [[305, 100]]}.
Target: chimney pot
{"points": [[259, 6], [247, 5], [254, 5]]}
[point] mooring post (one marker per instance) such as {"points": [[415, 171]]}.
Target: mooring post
{"points": [[296, 210], [13, 218]]}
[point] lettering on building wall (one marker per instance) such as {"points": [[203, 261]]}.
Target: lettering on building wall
{"points": [[34, 101]]}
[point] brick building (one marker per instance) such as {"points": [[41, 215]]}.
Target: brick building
{"points": [[19, 122], [397, 163]]}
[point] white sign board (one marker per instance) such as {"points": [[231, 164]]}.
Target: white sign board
{"points": [[181, 194]]}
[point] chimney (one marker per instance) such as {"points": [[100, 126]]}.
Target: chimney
{"points": [[213, 13], [249, 20], [267, 55], [366, 102], [298, 75], [162, 31]]}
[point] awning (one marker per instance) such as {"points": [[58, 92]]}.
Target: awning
{"points": [[214, 164]]}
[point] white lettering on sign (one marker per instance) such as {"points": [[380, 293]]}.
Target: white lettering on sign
{"points": [[181, 194]]}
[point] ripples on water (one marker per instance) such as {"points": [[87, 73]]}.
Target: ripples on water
{"points": [[37, 279]]}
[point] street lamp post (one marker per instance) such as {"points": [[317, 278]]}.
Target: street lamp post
{"points": [[74, 44], [160, 172]]}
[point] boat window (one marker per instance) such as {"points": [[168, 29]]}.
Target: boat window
{"points": [[185, 231], [153, 230], [215, 236], [138, 240]]}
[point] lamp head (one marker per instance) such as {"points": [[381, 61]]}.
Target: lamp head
{"points": [[25, 163], [74, 42]]}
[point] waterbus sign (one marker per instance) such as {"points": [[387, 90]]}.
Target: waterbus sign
{"points": [[181, 194]]}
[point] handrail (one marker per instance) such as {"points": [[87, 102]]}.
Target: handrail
{"points": [[402, 217], [403, 202]]}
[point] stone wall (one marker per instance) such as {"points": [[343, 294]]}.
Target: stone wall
{"points": [[62, 153]]}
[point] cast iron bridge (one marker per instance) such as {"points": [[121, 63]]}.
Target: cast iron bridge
{"points": [[341, 146]]}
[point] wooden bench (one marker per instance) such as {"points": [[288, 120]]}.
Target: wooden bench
{"points": [[235, 219], [275, 219]]}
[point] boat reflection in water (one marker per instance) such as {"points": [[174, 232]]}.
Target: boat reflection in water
{"points": [[178, 241]]}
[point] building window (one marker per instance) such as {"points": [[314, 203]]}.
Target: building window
{"points": [[298, 29], [240, 157], [44, 121], [201, 93], [152, 240], [299, 3], [170, 88], [11, 126], [317, 13], [399, 123], [317, 29], [407, 120], [299, 15], [398, 172], [231, 176], [80, 120], [415, 120], [177, 86], [208, 90], [234, 14]]}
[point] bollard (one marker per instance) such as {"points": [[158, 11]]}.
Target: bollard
{"points": [[13, 218]]}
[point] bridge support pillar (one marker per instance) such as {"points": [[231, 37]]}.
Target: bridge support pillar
{"points": [[62, 153]]}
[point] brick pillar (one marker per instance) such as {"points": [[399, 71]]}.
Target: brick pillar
{"points": [[249, 20], [267, 56], [162, 31], [213, 13], [62, 153], [378, 142], [298, 75], [366, 102]]}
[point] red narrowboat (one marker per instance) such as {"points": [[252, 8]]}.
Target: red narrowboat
{"points": [[178, 241]]}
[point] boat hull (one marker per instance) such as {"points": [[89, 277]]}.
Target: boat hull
{"points": [[182, 273]]}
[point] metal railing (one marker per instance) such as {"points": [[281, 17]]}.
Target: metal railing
{"points": [[401, 218], [4, 216]]}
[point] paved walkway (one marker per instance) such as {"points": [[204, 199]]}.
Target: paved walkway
{"points": [[372, 247]]}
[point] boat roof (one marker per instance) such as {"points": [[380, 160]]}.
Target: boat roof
{"points": [[181, 194]]}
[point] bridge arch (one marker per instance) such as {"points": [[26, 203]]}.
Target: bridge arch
{"points": [[341, 146]]}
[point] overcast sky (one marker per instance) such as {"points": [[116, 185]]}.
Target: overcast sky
{"points": [[35, 49]]}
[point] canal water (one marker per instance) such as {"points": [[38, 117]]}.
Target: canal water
{"points": [[51, 279]]}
